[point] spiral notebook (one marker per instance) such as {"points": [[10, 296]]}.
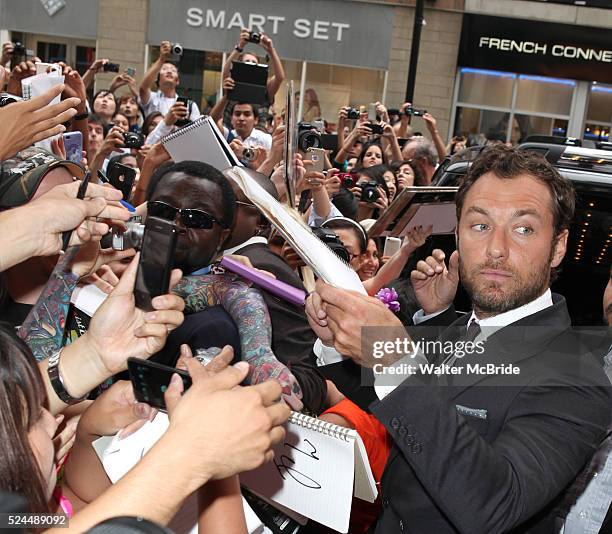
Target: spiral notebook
{"points": [[200, 141], [315, 472]]}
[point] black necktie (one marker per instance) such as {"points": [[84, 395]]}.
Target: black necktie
{"points": [[472, 333]]}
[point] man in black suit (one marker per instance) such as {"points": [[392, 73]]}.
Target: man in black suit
{"points": [[475, 451]]}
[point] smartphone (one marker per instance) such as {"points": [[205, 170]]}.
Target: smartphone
{"points": [[150, 381], [372, 112], [156, 260], [185, 101], [73, 143], [392, 245], [122, 177], [130, 71], [317, 156]]}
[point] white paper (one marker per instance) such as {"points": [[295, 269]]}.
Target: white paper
{"points": [[313, 472], [118, 456], [311, 249], [88, 298]]}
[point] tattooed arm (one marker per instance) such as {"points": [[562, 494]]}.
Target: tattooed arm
{"points": [[43, 329], [247, 308]]}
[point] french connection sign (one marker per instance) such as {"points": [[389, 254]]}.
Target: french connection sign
{"points": [[534, 47], [339, 32]]}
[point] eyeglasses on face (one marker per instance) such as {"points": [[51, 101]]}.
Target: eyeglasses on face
{"points": [[190, 218]]}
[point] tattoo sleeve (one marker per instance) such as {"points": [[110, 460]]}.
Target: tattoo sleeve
{"points": [[43, 328]]}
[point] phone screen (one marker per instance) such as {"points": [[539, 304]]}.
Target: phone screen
{"points": [[73, 143], [156, 260], [150, 381]]}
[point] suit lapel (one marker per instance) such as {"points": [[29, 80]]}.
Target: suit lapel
{"points": [[515, 343]]}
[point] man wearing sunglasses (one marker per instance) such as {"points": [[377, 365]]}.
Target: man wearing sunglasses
{"points": [[200, 201]]}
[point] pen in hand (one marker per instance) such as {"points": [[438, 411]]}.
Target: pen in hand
{"points": [[80, 195]]}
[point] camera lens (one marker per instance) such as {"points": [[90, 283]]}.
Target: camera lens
{"points": [[177, 49]]}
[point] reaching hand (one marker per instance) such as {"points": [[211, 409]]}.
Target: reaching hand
{"points": [[220, 428], [165, 51], [119, 330], [228, 85], [176, 112], [24, 70], [430, 121], [115, 410], [244, 37], [29, 121], [98, 65], [7, 53], [113, 141], [416, 237], [266, 43], [59, 210], [434, 285]]}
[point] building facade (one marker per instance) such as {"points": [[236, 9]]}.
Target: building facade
{"points": [[353, 52]]}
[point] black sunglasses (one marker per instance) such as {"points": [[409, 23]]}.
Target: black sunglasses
{"points": [[190, 218]]}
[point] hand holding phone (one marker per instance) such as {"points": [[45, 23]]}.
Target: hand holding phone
{"points": [[150, 381], [156, 261], [317, 156]]}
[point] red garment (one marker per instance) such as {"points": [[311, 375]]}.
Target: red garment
{"points": [[377, 445]]}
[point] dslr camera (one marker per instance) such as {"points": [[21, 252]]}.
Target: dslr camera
{"points": [[352, 113], [308, 136], [369, 191], [332, 241], [133, 140], [131, 237], [254, 37], [176, 52], [414, 111]]}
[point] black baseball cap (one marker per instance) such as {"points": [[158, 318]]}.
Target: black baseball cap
{"points": [[21, 175]]}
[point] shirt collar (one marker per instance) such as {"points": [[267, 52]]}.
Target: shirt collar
{"points": [[255, 239], [490, 325]]}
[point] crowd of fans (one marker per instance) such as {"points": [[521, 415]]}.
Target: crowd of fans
{"points": [[63, 372]]}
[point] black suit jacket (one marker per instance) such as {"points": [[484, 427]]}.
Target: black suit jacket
{"points": [[292, 337], [490, 453]]}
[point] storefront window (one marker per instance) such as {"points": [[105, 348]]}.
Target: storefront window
{"points": [[485, 110], [599, 113], [479, 125], [544, 95], [51, 52], [329, 87], [486, 88]]}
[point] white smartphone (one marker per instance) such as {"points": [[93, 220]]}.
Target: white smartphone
{"points": [[392, 245], [372, 112], [317, 156]]}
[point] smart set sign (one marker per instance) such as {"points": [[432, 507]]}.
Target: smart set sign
{"points": [[529, 47], [339, 32]]}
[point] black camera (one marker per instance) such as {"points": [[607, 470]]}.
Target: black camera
{"points": [[254, 37], [133, 140], [414, 111], [377, 129], [352, 113], [308, 136], [332, 241], [6, 99], [19, 49], [369, 191], [131, 237], [110, 67]]}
